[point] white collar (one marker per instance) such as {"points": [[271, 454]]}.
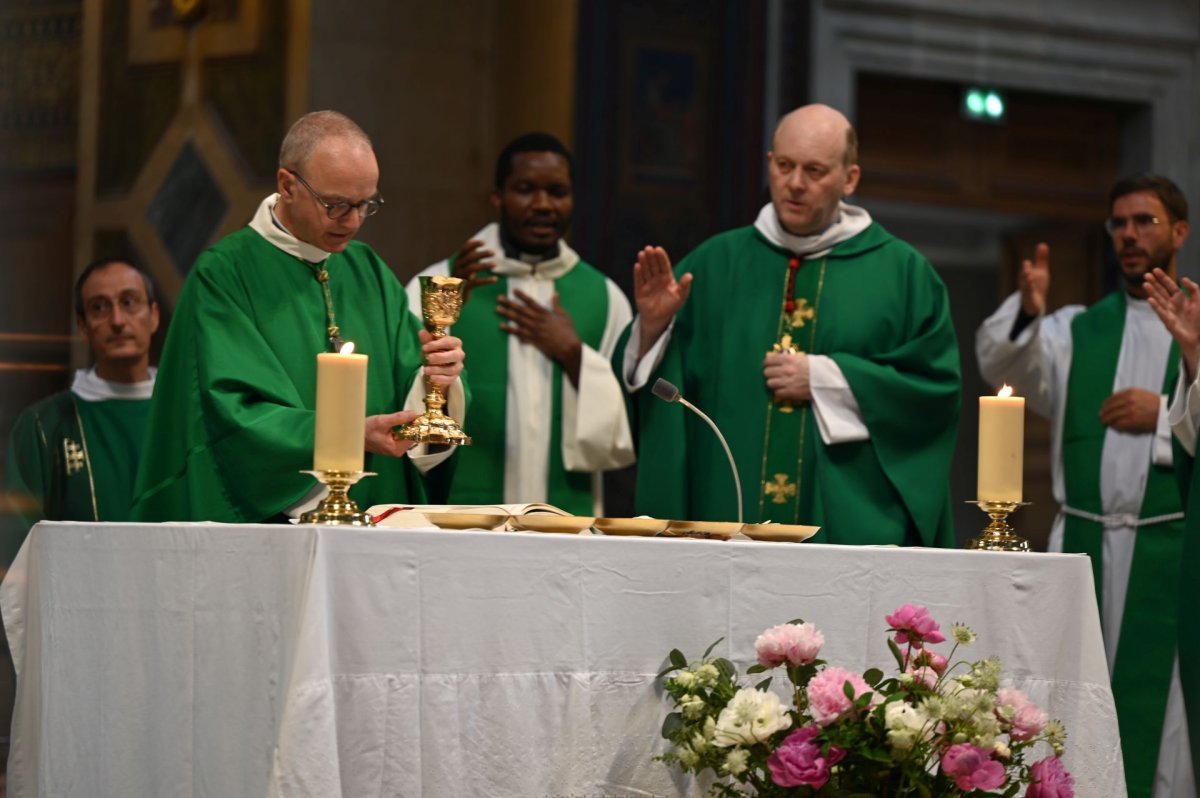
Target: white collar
{"points": [[267, 225], [549, 269], [851, 220], [91, 388]]}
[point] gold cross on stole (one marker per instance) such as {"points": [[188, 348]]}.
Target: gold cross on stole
{"points": [[73, 453], [780, 490], [803, 313]]}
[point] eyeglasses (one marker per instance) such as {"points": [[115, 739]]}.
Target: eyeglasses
{"points": [[100, 309], [337, 210], [1142, 222]]}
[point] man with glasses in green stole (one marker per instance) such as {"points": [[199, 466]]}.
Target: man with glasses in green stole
{"points": [[232, 419], [73, 456], [548, 414], [1102, 376], [819, 343]]}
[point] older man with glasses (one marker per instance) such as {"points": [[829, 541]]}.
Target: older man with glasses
{"points": [[73, 456], [1102, 375], [233, 416]]}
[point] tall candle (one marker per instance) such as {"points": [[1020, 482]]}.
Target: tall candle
{"points": [[341, 411], [1001, 447]]}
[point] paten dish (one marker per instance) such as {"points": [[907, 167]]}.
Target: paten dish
{"points": [[546, 522], [467, 520], [719, 530], [647, 527], [790, 533]]}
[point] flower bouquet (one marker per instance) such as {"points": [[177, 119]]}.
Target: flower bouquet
{"points": [[938, 728]]}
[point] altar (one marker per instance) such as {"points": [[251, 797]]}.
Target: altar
{"points": [[206, 659]]}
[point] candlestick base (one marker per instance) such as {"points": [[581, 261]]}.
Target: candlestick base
{"points": [[338, 509], [998, 535]]}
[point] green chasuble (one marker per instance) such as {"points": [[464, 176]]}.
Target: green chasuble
{"points": [[231, 421], [1188, 477], [73, 460], [478, 476], [877, 308], [1146, 646]]}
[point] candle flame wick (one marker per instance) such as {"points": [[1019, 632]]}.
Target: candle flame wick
{"points": [[347, 348], [1005, 391]]}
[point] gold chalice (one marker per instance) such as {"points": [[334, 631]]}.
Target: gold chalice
{"points": [[441, 302]]}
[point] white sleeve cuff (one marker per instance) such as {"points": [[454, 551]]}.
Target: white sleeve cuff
{"points": [[637, 373], [1162, 436], [1184, 413], [839, 417], [455, 408]]}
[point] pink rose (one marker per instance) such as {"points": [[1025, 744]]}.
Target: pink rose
{"points": [[797, 762], [912, 625], [972, 767], [1026, 720], [795, 644], [827, 699], [930, 659], [1050, 780]]}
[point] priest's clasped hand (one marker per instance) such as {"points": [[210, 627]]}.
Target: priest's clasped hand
{"points": [[443, 358], [550, 329], [787, 376], [1131, 410]]}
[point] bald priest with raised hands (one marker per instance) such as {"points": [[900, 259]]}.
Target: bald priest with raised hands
{"points": [[232, 418], [819, 343]]}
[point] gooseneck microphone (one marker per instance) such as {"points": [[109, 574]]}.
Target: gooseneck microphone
{"points": [[669, 393]]}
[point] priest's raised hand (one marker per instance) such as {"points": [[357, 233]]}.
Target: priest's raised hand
{"points": [[657, 293]]}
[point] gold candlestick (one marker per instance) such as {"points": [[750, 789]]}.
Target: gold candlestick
{"points": [[338, 509], [441, 301], [998, 535]]}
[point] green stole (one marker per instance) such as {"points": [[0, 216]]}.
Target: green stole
{"points": [[1189, 594], [1146, 647], [789, 439], [70, 494], [479, 475]]}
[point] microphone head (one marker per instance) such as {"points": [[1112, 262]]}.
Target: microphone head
{"points": [[665, 391]]}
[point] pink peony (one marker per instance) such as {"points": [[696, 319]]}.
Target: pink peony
{"points": [[827, 699], [972, 767], [1050, 780], [925, 675], [797, 762], [912, 625], [795, 644], [930, 659], [1026, 720]]}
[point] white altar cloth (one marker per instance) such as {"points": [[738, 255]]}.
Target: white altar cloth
{"points": [[221, 660]]}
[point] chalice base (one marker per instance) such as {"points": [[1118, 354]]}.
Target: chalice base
{"points": [[338, 509], [433, 426], [998, 535]]}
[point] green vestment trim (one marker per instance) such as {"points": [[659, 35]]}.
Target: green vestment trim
{"points": [[231, 421], [478, 477], [884, 320], [1147, 643]]}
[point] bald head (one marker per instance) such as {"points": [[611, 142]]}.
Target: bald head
{"points": [[312, 129], [812, 167], [820, 123]]}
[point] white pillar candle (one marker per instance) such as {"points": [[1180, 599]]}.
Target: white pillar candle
{"points": [[1001, 447], [341, 411]]}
